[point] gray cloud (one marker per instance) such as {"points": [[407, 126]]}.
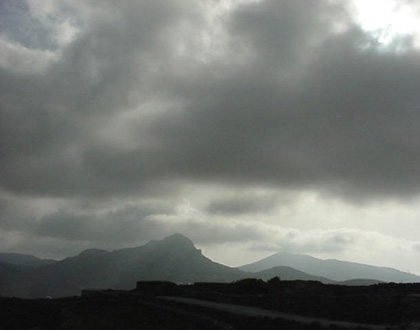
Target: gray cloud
{"points": [[309, 108], [337, 242], [125, 225], [212, 233], [20, 26], [149, 99], [242, 205], [328, 241], [51, 120]]}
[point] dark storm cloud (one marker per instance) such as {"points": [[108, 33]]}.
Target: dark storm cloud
{"points": [[344, 118], [132, 224], [49, 120], [289, 102], [241, 205], [125, 225]]}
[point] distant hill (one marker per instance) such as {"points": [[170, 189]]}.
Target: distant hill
{"points": [[23, 259], [360, 282], [334, 269], [289, 274], [175, 259]]}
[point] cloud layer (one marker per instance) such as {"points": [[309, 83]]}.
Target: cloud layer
{"points": [[112, 114]]}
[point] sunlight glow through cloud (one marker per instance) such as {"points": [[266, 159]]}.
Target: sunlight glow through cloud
{"points": [[388, 19]]}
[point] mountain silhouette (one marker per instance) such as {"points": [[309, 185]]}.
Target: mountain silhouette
{"points": [[174, 258], [23, 259], [289, 273], [360, 282], [334, 269]]}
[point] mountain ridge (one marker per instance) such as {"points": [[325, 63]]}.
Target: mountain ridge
{"points": [[23, 259], [334, 269], [174, 258], [289, 273]]}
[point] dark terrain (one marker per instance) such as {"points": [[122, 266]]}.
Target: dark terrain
{"points": [[179, 288], [385, 305], [175, 259]]}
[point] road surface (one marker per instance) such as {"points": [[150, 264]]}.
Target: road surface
{"points": [[257, 312]]}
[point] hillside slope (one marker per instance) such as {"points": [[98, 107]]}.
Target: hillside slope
{"points": [[334, 269], [290, 274]]}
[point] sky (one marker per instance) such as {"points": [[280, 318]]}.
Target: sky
{"points": [[250, 126]]}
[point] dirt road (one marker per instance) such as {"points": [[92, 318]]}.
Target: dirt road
{"points": [[257, 312]]}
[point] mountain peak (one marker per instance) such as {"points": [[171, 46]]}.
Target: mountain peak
{"points": [[177, 237], [179, 241], [175, 242], [93, 253]]}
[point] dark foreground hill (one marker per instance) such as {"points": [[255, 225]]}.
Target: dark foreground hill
{"points": [[333, 269], [244, 304]]}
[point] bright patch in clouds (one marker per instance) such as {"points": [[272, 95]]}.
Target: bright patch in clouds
{"points": [[388, 19]]}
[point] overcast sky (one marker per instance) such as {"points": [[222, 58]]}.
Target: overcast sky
{"points": [[252, 127]]}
